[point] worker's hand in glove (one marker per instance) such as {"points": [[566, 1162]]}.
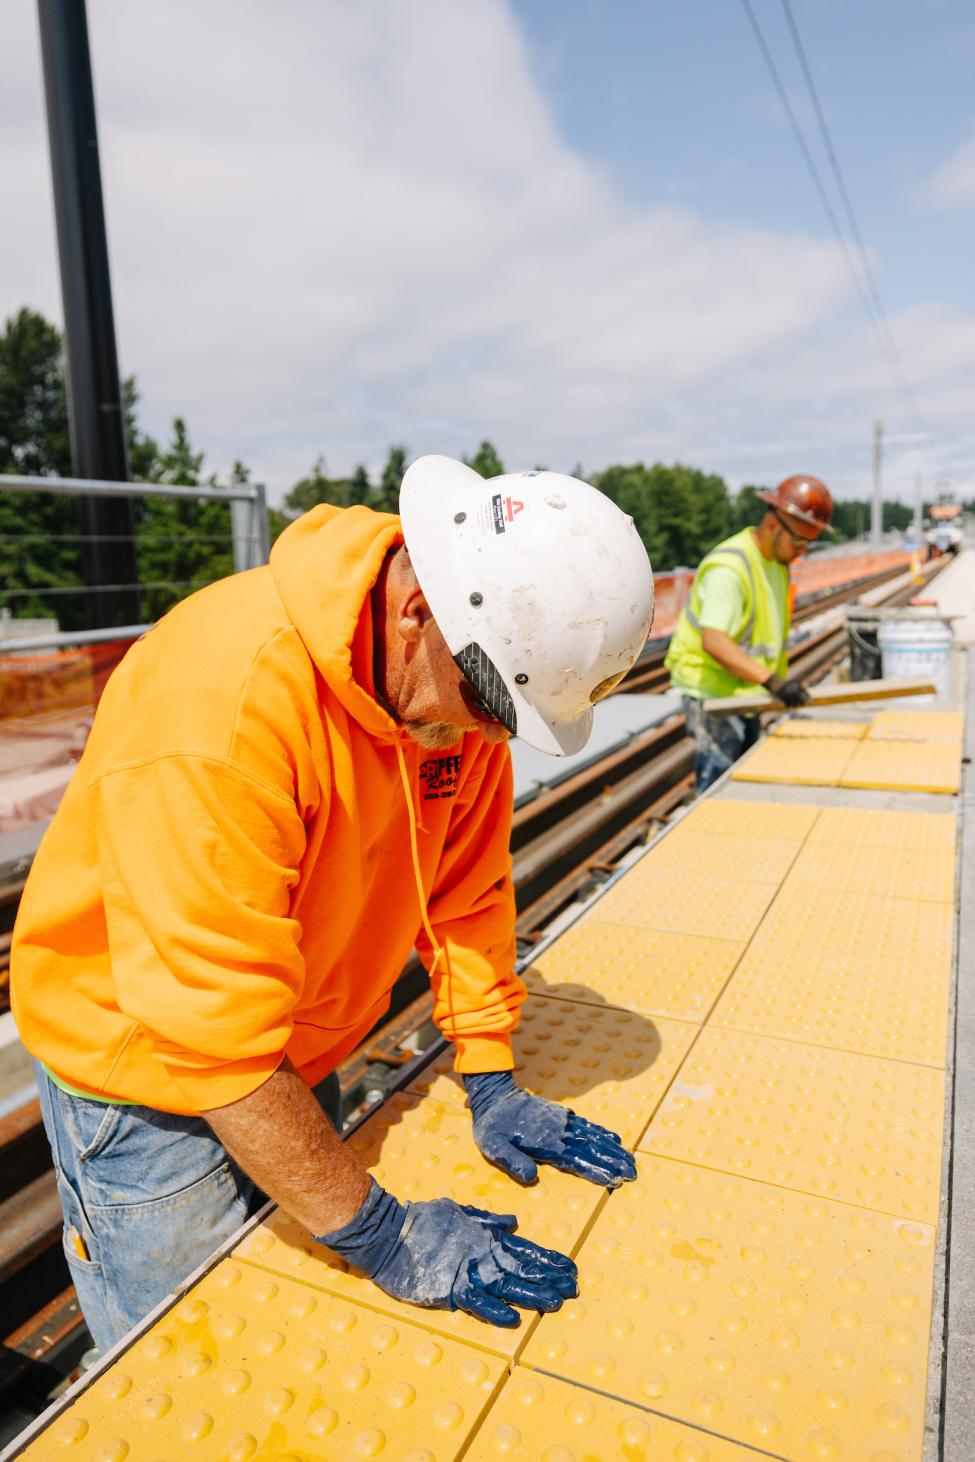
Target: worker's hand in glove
{"points": [[516, 1131], [447, 1256], [789, 692]]}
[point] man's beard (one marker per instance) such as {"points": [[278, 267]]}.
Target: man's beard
{"points": [[433, 735]]}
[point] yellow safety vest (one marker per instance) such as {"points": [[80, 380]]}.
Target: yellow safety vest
{"points": [[760, 632]]}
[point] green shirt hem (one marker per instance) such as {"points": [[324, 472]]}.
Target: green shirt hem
{"points": [[77, 1091]]}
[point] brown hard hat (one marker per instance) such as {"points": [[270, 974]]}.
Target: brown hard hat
{"points": [[803, 500]]}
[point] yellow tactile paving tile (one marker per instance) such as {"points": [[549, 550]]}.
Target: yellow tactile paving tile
{"points": [[806, 762], [539, 1418], [929, 833], [612, 1066], [901, 872], [418, 1150], [793, 1324], [644, 970], [838, 730], [831, 1123], [719, 855], [945, 728], [253, 1366], [733, 817], [679, 901], [908, 766], [825, 927], [845, 1003]]}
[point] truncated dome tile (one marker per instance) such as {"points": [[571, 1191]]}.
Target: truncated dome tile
{"points": [[832, 1123], [849, 1003], [816, 763], [737, 818], [645, 970], [861, 827], [539, 1418], [718, 855], [904, 765], [944, 728], [794, 728], [255, 1366], [901, 871], [611, 1066], [418, 1150], [819, 929], [793, 1324], [678, 901]]}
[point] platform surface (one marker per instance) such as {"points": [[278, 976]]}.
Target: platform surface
{"points": [[761, 1005]]}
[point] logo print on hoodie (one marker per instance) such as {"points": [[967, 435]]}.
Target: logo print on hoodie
{"points": [[439, 777]]}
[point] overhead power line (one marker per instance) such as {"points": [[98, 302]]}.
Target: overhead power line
{"points": [[858, 268], [834, 161]]}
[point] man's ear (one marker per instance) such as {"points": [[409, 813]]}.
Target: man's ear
{"points": [[414, 615]]}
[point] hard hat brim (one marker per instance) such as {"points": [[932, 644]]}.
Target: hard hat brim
{"points": [[793, 512], [557, 738]]}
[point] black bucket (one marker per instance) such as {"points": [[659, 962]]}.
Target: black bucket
{"points": [[865, 663]]}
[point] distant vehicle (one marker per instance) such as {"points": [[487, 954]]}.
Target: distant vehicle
{"points": [[945, 534]]}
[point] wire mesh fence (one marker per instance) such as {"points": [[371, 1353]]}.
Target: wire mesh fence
{"points": [[54, 661]]}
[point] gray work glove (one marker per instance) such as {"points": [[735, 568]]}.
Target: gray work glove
{"points": [[790, 692], [447, 1256]]}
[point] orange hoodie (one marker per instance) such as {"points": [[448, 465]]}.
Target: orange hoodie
{"points": [[229, 879]]}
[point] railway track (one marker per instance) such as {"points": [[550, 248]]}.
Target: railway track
{"points": [[565, 842]]}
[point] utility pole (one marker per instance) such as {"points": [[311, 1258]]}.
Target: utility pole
{"points": [[918, 509], [877, 509], [98, 446]]}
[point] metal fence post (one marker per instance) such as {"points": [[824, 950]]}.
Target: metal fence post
{"points": [[248, 521], [262, 526]]}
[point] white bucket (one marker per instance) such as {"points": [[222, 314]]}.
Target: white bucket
{"points": [[916, 647]]}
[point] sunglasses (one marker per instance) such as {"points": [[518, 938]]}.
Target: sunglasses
{"points": [[483, 689], [798, 539], [477, 705]]}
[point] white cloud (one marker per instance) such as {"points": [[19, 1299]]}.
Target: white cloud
{"points": [[952, 184], [333, 227]]}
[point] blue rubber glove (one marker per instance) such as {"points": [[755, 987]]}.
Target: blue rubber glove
{"points": [[447, 1256], [516, 1131]]}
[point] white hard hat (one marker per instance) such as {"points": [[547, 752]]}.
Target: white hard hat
{"points": [[540, 585]]}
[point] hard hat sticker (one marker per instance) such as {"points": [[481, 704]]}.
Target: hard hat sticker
{"points": [[496, 515]]}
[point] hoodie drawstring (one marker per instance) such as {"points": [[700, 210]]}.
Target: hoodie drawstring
{"points": [[438, 951]]}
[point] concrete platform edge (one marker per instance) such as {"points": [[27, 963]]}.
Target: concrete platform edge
{"points": [[952, 1377]]}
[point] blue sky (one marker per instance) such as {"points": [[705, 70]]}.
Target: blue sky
{"points": [[580, 229], [675, 100]]}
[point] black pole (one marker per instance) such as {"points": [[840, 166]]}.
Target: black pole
{"points": [[97, 422]]}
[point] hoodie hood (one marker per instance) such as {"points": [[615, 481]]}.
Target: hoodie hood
{"points": [[324, 567]]}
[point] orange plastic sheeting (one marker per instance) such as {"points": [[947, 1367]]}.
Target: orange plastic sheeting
{"points": [[47, 702], [811, 576], [816, 573], [56, 680]]}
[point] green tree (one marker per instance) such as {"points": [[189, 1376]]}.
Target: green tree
{"points": [[385, 498], [40, 551], [143, 451], [344, 492], [680, 512], [361, 486], [747, 509], [713, 504], [486, 461], [182, 543]]}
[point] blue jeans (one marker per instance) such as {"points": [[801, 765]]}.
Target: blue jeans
{"points": [[148, 1195], [720, 740]]}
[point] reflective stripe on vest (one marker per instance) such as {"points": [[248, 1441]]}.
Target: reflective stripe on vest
{"points": [[746, 639]]}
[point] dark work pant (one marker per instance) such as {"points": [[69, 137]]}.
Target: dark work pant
{"points": [[719, 740]]}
